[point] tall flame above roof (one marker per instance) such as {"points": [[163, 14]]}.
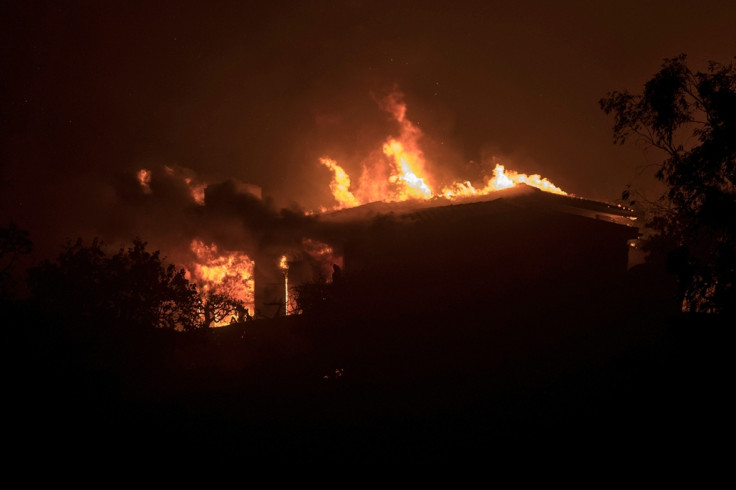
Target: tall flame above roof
{"points": [[401, 172]]}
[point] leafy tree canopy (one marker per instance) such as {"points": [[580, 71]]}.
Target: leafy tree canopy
{"points": [[133, 288], [691, 117]]}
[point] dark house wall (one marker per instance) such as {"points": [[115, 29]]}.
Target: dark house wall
{"points": [[525, 247], [485, 252]]}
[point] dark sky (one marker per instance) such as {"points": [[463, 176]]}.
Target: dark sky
{"points": [[94, 91]]}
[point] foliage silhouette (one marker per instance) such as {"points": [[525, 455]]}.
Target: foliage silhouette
{"points": [[133, 288], [315, 297], [218, 304], [691, 117]]}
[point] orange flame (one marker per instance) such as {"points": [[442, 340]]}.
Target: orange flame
{"points": [[402, 172], [408, 158], [340, 185], [283, 264], [502, 179], [222, 272], [409, 183]]}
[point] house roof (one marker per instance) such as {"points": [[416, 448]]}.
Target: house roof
{"points": [[519, 197]]}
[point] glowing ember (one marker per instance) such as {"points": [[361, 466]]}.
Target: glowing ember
{"points": [[144, 179], [402, 172]]}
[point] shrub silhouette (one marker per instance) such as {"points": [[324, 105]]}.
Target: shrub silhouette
{"points": [[133, 288]]}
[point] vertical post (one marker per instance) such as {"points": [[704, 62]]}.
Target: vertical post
{"points": [[284, 266]]}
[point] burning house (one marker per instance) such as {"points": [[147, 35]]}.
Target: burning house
{"points": [[440, 254], [405, 237], [405, 233]]}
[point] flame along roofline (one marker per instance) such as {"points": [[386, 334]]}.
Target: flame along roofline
{"points": [[520, 195]]}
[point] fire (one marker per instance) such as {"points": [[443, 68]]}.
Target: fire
{"points": [[284, 264], [409, 183], [221, 274], [502, 179], [340, 185], [400, 173]]}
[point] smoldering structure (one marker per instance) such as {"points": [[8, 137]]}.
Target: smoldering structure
{"points": [[515, 247]]}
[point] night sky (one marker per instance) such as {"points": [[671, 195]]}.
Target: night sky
{"points": [[94, 91]]}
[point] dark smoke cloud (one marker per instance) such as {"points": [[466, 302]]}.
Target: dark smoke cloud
{"points": [[232, 215]]}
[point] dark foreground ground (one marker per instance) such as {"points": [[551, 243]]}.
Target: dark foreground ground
{"points": [[406, 390]]}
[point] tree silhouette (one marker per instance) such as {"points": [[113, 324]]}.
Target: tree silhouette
{"points": [[133, 288], [217, 307], [691, 117], [219, 303]]}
